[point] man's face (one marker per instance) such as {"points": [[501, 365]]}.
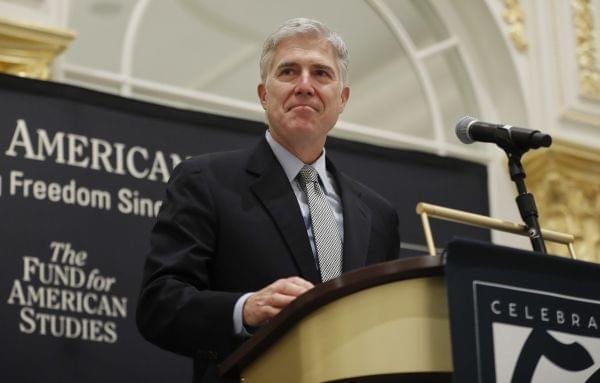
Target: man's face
{"points": [[302, 94]]}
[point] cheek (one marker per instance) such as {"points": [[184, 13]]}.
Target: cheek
{"points": [[274, 100]]}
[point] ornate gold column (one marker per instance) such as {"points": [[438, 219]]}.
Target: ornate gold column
{"points": [[566, 182], [28, 50]]}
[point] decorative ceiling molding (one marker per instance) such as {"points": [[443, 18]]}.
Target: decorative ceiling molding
{"points": [[566, 182], [578, 89], [515, 19], [583, 23], [28, 50]]}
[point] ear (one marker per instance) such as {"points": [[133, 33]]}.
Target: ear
{"points": [[262, 95], [345, 95]]}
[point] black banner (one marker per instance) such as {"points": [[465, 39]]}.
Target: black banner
{"points": [[82, 175], [518, 316]]}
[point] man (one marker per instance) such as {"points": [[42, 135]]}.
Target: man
{"points": [[241, 234]]}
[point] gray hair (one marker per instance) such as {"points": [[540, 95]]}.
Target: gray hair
{"points": [[302, 27]]}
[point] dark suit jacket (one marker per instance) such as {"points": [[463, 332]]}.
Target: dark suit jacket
{"points": [[231, 224]]}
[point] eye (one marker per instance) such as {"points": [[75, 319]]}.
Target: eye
{"points": [[286, 71], [322, 73]]}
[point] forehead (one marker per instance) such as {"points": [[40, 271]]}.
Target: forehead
{"points": [[304, 50]]}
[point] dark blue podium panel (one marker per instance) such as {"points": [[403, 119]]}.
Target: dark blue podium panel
{"points": [[519, 316]]}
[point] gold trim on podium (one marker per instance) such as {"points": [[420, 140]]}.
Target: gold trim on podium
{"points": [[28, 50], [425, 210]]}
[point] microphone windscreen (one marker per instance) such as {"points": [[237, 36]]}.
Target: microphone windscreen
{"points": [[462, 129]]}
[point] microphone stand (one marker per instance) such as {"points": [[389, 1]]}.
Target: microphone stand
{"points": [[515, 142], [525, 200]]}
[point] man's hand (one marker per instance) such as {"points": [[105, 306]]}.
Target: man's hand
{"points": [[268, 302]]}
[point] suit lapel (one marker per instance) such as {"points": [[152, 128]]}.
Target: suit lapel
{"points": [[357, 223], [273, 189]]}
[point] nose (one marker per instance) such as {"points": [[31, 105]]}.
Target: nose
{"points": [[304, 87]]}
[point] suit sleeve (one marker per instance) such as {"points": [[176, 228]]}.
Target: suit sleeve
{"points": [[177, 310]]}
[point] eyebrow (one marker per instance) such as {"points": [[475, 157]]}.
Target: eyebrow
{"points": [[324, 67], [289, 64]]}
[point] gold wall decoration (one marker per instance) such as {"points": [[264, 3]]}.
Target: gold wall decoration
{"points": [[28, 50], [565, 180], [515, 19], [583, 22]]}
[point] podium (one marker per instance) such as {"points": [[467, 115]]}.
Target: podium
{"points": [[480, 313], [383, 323]]}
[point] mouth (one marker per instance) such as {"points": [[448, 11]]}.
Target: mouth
{"points": [[302, 107]]}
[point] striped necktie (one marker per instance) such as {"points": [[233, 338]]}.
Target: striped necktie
{"points": [[325, 229]]}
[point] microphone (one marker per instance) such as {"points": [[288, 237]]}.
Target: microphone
{"points": [[469, 130]]}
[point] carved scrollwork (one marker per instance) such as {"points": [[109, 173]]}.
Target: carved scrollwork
{"points": [[565, 180], [583, 23], [515, 19]]}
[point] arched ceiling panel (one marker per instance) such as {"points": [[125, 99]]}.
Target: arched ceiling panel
{"points": [[214, 47], [409, 82], [420, 21], [100, 26], [453, 89]]}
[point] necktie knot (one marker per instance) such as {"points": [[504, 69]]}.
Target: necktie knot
{"points": [[307, 175]]}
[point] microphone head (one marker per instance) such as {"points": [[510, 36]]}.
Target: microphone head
{"points": [[462, 129]]}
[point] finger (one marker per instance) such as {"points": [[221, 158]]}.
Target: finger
{"points": [[269, 312], [257, 310], [265, 315], [268, 298], [301, 282], [288, 288], [279, 300]]}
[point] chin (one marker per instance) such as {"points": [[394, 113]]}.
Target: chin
{"points": [[298, 129], [304, 130]]}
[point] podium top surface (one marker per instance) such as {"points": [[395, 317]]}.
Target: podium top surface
{"points": [[321, 295]]}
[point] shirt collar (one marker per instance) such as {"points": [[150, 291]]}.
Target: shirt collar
{"points": [[291, 164]]}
